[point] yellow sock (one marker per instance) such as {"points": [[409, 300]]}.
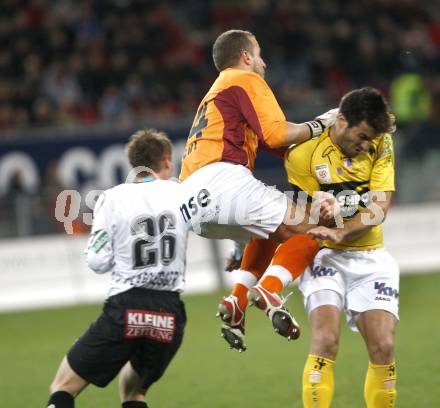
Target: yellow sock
{"points": [[318, 382], [380, 386]]}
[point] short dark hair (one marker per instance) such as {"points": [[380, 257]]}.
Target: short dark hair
{"points": [[366, 104], [228, 47], [147, 147]]}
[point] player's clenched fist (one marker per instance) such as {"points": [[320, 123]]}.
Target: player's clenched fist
{"points": [[327, 205]]}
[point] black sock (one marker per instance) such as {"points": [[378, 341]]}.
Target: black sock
{"points": [[61, 399], [134, 404]]}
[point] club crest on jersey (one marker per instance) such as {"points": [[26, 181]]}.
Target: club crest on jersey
{"points": [[323, 173], [151, 325]]}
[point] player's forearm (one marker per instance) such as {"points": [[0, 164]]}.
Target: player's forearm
{"points": [[300, 132], [367, 218], [99, 263], [302, 221], [361, 223], [354, 228], [297, 133]]}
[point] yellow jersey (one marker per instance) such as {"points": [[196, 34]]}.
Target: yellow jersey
{"points": [[319, 165], [238, 115]]}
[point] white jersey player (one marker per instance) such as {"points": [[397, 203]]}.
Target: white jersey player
{"points": [[140, 237]]}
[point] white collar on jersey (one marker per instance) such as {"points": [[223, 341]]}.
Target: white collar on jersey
{"points": [[145, 179]]}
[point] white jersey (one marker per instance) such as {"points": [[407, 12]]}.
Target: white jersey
{"points": [[140, 237]]}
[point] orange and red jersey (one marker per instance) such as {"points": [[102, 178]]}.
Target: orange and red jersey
{"points": [[238, 115]]}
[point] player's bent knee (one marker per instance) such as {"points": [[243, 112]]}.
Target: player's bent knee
{"points": [[382, 350], [130, 385], [67, 380], [131, 393], [325, 343]]}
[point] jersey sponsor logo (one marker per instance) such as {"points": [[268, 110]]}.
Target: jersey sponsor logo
{"points": [[151, 325], [191, 207], [323, 173], [349, 200], [350, 195], [319, 271], [385, 290], [352, 199]]}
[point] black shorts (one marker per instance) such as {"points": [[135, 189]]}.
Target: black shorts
{"points": [[142, 326]]}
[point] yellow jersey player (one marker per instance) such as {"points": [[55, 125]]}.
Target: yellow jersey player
{"points": [[353, 160]]}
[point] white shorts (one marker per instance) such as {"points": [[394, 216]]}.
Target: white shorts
{"points": [[363, 280], [224, 200]]}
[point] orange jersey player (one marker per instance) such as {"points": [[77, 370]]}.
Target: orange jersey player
{"points": [[239, 115]]}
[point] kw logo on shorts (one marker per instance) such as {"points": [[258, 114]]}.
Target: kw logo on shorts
{"points": [[151, 325], [319, 271], [385, 290]]}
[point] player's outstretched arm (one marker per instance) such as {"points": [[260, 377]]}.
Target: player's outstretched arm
{"points": [[300, 132]]}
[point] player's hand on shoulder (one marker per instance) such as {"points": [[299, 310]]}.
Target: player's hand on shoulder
{"points": [[328, 118], [322, 122]]}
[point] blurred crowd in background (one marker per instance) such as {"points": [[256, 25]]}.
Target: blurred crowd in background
{"points": [[67, 63]]}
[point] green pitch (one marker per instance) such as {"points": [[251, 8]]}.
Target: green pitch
{"points": [[207, 374]]}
